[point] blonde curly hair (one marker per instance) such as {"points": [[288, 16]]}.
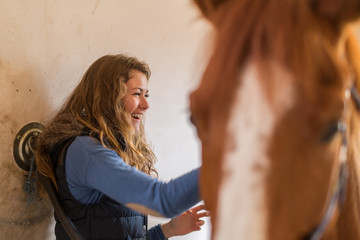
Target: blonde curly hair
{"points": [[96, 104]]}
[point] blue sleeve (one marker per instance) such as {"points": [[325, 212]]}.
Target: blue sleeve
{"points": [[155, 233], [92, 170]]}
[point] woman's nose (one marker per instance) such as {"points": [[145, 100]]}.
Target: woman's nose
{"points": [[144, 104]]}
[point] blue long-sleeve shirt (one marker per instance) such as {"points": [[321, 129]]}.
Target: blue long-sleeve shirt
{"points": [[92, 171]]}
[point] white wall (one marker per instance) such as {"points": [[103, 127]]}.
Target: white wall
{"points": [[45, 47]]}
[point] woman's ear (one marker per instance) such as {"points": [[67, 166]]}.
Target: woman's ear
{"points": [[338, 12]]}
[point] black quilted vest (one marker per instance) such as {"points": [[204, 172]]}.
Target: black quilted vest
{"points": [[106, 219]]}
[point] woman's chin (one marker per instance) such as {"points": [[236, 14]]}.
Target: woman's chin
{"points": [[136, 125]]}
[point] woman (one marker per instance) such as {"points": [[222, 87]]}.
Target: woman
{"points": [[95, 152]]}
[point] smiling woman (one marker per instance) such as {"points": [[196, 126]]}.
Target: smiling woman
{"points": [[95, 152]]}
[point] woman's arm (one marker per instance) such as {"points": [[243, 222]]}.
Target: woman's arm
{"points": [[91, 169]]}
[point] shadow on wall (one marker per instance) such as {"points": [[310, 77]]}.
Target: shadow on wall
{"points": [[23, 99]]}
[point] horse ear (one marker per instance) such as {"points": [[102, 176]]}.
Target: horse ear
{"points": [[337, 11], [207, 7]]}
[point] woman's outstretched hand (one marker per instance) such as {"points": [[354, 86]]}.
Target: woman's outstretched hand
{"points": [[186, 222]]}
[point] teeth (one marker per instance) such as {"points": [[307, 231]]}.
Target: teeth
{"points": [[136, 115]]}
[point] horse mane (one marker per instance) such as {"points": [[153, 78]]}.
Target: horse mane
{"points": [[353, 208]]}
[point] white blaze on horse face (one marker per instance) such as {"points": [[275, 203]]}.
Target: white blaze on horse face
{"points": [[242, 207]]}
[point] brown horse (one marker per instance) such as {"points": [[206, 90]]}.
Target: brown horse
{"points": [[278, 123]]}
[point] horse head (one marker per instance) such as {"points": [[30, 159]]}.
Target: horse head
{"points": [[275, 112]]}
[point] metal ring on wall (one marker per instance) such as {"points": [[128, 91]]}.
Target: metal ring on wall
{"points": [[24, 144]]}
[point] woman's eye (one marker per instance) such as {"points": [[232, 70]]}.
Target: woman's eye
{"points": [[140, 93]]}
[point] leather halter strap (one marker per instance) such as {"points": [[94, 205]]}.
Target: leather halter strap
{"points": [[339, 190]]}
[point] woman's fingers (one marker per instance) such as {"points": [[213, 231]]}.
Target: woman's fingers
{"points": [[203, 214], [198, 208], [200, 223]]}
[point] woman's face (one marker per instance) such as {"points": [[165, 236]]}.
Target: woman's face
{"points": [[135, 101]]}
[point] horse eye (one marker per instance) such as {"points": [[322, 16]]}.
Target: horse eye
{"points": [[331, 132]]}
